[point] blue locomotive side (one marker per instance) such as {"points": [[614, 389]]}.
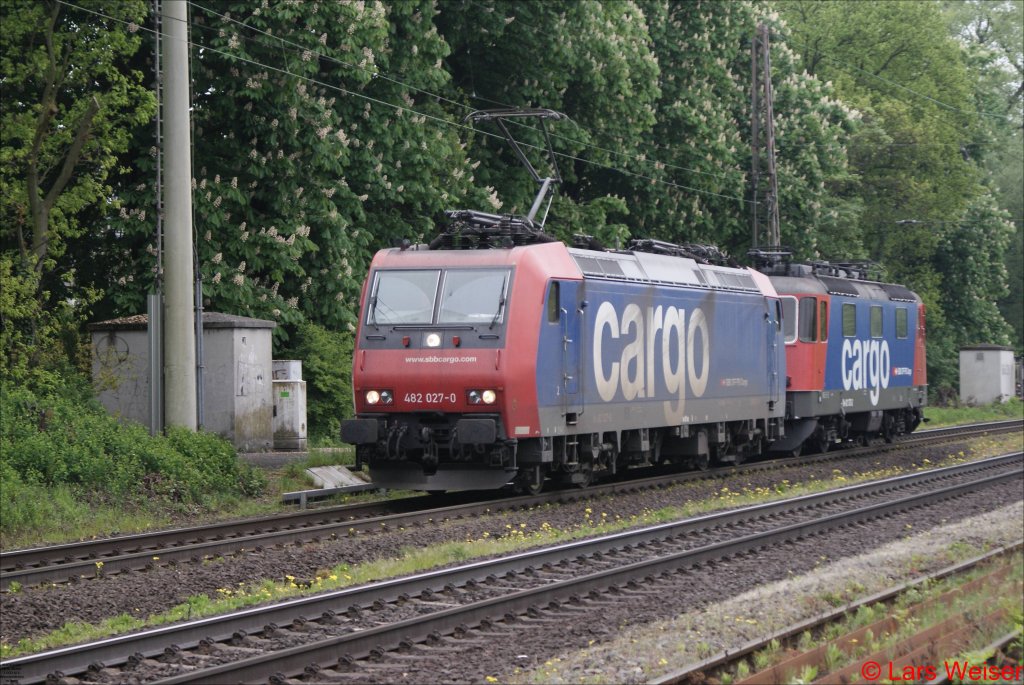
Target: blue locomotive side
{"points": [[872, 347], [651, 356]]}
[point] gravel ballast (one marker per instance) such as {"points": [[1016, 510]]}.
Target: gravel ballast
{"points": [[36, 611]]}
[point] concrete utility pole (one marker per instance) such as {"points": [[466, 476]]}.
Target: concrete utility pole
{"points": [[179, 332]]}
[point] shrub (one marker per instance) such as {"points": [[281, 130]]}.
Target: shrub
{"points": [[61, 441], [327, 369]]}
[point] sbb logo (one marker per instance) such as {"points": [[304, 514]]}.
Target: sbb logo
{"points": [[866, 365], [662, 348]]}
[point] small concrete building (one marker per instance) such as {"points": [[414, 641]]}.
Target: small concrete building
{"points": [[237, 378], [986, 374], [289, 405]]}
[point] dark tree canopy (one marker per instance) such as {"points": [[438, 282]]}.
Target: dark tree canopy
{"points": [[324, 131]]}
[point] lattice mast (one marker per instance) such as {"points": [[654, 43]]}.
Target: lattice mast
{"points": [[764, 191]]}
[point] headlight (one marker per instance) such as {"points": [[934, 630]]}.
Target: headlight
{"points": [[379, 397], [433, 340], [481, 396]]}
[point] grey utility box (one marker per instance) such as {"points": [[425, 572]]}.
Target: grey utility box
{"points": [[986, 374], [238, 401], [289, 405]]}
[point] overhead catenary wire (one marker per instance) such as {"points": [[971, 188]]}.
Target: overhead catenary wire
{"points": [[638, 158], [375, 73], [422, 115]]}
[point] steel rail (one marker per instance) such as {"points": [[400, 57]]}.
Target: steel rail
{"points": [[117, 650], [723, 659], [143, 551], [294, 660]]}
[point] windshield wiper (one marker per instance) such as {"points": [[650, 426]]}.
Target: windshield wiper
{"points": [[501, 302], [373, 312]]}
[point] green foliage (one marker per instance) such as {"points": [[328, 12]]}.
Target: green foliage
{"points": [[954, 414], [69, 103], [306, 161], [323, 131], [930, 102], [594, 218], [603, 75], [327, 369], [994, 42], [61, 443], [971, 258]]}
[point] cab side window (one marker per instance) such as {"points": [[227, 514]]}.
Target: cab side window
{"points": [[554, 306], [789, 318], [808, 319]]}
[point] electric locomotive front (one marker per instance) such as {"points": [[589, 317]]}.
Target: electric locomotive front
{"points": [[475, 368], [439, 399]]}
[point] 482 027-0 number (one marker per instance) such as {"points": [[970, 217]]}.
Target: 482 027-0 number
{"points": [[430, 397]]}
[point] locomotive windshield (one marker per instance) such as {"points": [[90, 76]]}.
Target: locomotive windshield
{"points": [[438, 296]]}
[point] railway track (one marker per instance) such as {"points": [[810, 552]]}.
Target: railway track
{"points": [[846, 639], [328, 635], [84, 560]]}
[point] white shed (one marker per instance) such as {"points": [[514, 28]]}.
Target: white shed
{"points": [[986, 374], [237, 382]]}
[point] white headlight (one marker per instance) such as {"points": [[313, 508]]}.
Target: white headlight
{"points": [[433, 340], [488, 396], [372, 397]]}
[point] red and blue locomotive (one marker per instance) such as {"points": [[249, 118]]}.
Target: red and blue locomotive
{"points": [[497, 355], [855, 353]]}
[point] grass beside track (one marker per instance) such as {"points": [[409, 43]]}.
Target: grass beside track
{"points": [[107, 518], [939, 417], [516, 536]]}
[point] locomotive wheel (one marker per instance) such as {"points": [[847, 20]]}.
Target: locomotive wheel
{"points": [[530, 488], [822, 443], [701, 462], [888, 434], [530, 480], [587, 471]]}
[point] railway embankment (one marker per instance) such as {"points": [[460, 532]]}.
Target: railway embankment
{"points": [[110, 604]]}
